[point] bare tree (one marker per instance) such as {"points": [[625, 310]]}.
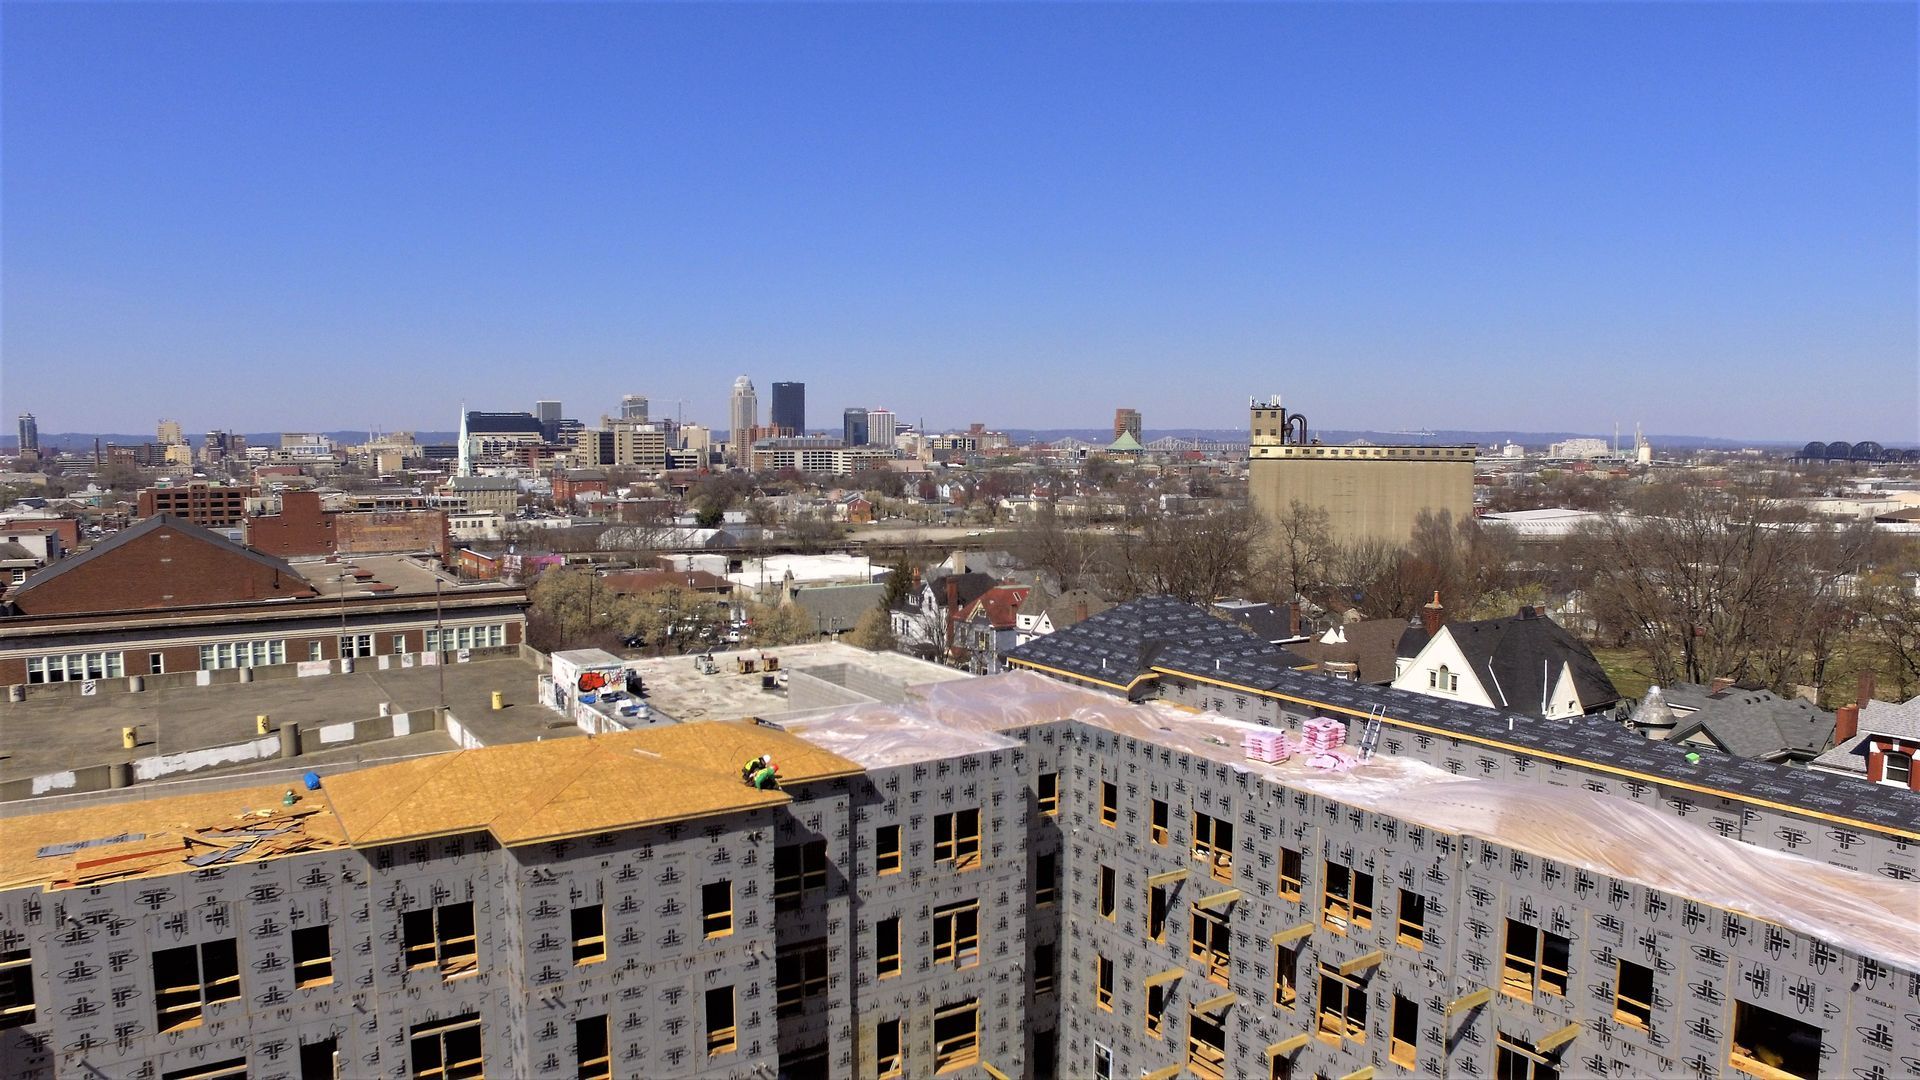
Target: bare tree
{"points": [[1712, 583], [1299, 550]]}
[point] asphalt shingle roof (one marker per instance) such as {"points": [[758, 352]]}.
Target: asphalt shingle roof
{"points": [[1118, 646]]}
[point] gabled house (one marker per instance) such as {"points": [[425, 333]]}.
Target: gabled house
{"points": [[1046, 610], [923, 622], [1524, 663], [1876, 743], [1363, 650], [988, 627]]}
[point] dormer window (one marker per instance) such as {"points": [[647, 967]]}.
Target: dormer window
{"points": [[1896, 769], [1443, 680]]}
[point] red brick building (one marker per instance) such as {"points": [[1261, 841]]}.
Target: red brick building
{"points": [[570, 484], [303, 527], [162, 562], [201, 504], [166, 596]]}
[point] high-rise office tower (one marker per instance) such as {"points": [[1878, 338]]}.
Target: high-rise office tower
{"points": [[853, 427], [634, 407], [789, 408], [1126, 422], [880, 427], [170, 434], [548, 413], [743, 415], [29, 434]]}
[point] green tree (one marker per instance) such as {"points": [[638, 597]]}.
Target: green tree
{"points": [[899, 583]]}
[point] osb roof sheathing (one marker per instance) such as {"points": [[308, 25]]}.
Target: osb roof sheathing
{"points": [[160, 820], [531, 792], [524, 793]]}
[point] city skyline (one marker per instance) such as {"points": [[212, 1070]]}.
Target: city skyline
{"points": [[1467, 205]]}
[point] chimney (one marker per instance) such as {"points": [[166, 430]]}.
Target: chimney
{"points": [[1718, 685], [953, 593], [1080, 611], [1866, 689], [1434, 615], [1846, 723], [1293, 620]]}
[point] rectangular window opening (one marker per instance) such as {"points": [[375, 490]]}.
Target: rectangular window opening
{"points": [[886, 948], [956, 839], [1213, 844], [593, 1048], [1772, 1045], [956, 1036], [956, 934], [716, 908], [722, 1036], [589, 934], [312, 956], [886, 849]]}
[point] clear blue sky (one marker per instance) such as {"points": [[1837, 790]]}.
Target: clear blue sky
{"points": [[1700, 217]]}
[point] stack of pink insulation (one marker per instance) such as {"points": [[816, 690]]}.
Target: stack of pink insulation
{"points": [[1268, 746], [1322, 733]]}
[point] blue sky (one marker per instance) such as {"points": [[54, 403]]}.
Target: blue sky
{"points": [[1699, 217]]}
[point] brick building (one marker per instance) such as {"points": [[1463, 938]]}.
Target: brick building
{"points": [[305, 527], [165, 596], [210, 505], [161, 563]]}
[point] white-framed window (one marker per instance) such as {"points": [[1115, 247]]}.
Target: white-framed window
{"points": [[1896, 768], [314, 651], [74, 667], [1442, 679], [399, 644], [450, 638], [243, 654], [356, 645], [1102, 1062]]}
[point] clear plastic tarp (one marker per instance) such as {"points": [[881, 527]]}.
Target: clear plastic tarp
{"points": [[1868, 914]]}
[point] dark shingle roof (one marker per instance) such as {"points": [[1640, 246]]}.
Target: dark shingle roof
{"points": [[1760, 724], [1585, 738], [1524, 652], [1119, 644]]}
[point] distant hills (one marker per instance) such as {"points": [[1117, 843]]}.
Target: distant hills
{"points": [[82, 441]]}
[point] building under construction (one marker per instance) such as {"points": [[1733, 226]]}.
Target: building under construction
{"points": [[1150, 855]]}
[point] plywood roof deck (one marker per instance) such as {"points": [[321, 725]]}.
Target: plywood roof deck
{"points": [[163, 826], [522, 794]]}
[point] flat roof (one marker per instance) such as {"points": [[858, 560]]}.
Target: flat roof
{"points": [[676, 687], [57, 733], [397, 575]]}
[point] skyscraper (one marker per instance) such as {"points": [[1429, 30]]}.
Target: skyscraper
{"points": [[548, 413], [29, 434], [634, 407], [880, 428], [743, 415], [854, 427], [789, 408], [1126, 422], [170, 433]]}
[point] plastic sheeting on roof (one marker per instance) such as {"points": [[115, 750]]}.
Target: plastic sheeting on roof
{"points": [[1607, 834]]}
